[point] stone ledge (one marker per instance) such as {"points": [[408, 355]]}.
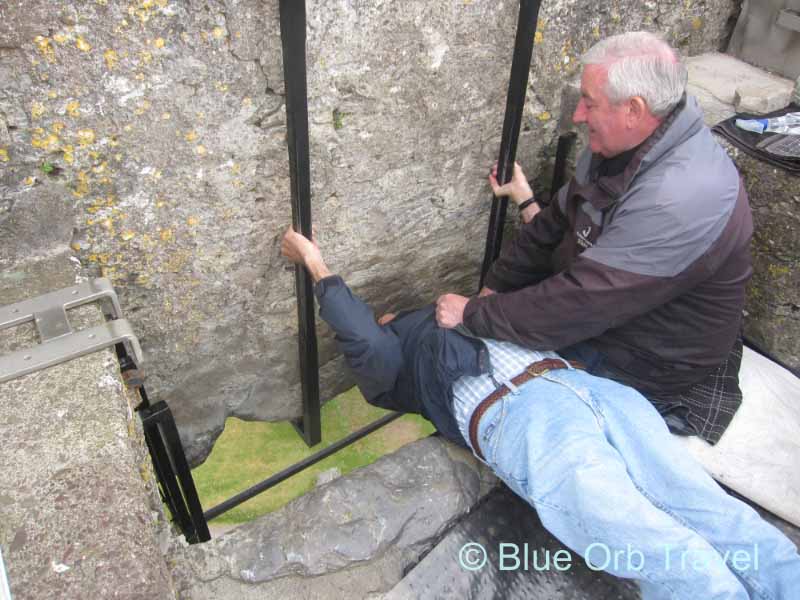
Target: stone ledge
{"points": [[79, 515], [357, 534]]}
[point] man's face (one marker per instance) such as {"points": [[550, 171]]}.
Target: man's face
{"points": [[607, 123]]}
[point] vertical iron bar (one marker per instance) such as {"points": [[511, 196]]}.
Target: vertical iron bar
{"points": [[564, 147], [293, 41], [515, 102]]}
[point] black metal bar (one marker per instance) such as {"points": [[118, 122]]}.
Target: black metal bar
{"points": [[297, 467], [515, 102], [293, 40], [565, 143], [165, 475], [172, 471], [169, 432]]}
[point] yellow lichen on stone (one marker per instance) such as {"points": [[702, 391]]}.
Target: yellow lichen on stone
{"points": [[145, 57], [166, 116], [596, 32], [61, 38], [45, 48], [697, 23], [57, 127], [190, 136], [52, 94], [81, 185], [86, 137], [47, 142], [192, 221], [543, 116], [128, 127], [166, 235], [139, 77], [777, 271], [111, 58], [218, 33], [221, 87], [128, 235], [201, 150], [247, 101], [68, 155], [3, 155], [37, 110], [82, 44], [29, 181], [538, 38], [73, 108], [143, 107], [159, 43]]}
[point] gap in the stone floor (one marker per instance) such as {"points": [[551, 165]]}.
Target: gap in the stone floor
{"points": [[249, 451]]}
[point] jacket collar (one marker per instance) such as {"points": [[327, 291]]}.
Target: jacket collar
{"points": [[603, 191]]}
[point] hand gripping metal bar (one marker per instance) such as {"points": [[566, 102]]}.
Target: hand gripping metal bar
{"points": [[293, 39], [515, 102]]}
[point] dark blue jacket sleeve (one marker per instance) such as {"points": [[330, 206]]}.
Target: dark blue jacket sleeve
{"points": [[373, 352]]}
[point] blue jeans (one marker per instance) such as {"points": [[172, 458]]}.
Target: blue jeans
{"points": [[607, 479]]}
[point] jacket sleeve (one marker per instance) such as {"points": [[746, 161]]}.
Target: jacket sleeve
{"points": [[633, 268], [528, 258]]}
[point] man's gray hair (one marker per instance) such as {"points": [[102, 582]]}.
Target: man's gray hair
{"points": [[641, 64]]}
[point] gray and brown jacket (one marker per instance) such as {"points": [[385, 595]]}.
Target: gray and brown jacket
{"points": [[648, 266]]}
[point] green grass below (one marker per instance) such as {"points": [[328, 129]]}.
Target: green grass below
{"points": [[249, 452]]}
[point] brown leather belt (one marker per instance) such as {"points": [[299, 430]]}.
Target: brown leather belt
{"points": [[531, 371]]}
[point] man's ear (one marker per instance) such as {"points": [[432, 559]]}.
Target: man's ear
{"points": [[637, 110]]}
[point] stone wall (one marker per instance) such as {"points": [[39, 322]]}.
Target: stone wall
{"points": [[148, 138]]}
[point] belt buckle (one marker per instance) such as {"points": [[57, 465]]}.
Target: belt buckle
{"points": [[534, 372]]}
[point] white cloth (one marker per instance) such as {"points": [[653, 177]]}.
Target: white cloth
{"points": [[759, 453]]}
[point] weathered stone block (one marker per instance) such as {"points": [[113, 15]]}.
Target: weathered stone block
{"points": [[752, 98], [398, 507], [80, 515]]}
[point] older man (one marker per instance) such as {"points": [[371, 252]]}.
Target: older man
{"points": [[637, 267], [639, 264]]}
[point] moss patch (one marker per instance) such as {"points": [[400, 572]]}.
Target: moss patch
{"points": [[248, 452]]}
